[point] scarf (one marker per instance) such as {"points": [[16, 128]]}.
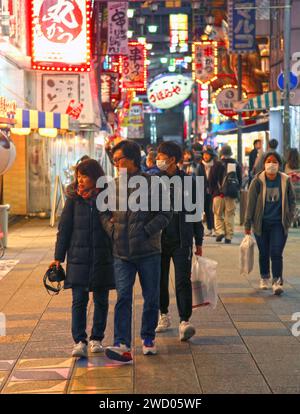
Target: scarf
{"points": [[89, 193], [207, 166]]}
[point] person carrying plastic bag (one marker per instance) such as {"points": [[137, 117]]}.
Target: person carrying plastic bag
{"points": [[204, 282], [247, 255]]}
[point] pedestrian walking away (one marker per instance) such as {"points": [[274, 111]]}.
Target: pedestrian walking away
{"points": [[270, 210], [225, 183], [83, 240], [177, 244], [136, 237]]}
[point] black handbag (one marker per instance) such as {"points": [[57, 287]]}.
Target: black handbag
{"points": [[54, 275]]}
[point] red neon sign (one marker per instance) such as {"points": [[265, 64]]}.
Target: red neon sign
{"points": [[60, 35]]}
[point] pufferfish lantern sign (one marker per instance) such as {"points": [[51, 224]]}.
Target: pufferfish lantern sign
{"points": [[170, 90]]}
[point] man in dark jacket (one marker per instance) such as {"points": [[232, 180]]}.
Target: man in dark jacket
{"points": [[204, 170], [177, 244], [224, 205], [257, 144], [136, 237]]}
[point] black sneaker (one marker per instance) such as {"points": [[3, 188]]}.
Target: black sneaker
{"points": [[220, 238], [227, 241]]}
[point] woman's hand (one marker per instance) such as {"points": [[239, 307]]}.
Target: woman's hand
{"points": [[54, 263]]}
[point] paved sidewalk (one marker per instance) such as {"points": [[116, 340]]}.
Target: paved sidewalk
{"points": [[244, 346]]}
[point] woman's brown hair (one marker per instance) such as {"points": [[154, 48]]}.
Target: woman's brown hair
{"points": [[91, 168]]}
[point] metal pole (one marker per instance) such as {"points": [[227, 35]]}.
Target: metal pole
{"points": [[239, 126], [287, 57]]}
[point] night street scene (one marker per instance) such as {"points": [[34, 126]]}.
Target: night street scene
{"points": [[150, 203]]}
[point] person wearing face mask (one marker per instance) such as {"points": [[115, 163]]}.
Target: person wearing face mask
{"points": [[270, 210], [177, 244], [204, 170]]}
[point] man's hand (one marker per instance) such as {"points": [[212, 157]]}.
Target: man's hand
{"points": [[198, 251]]}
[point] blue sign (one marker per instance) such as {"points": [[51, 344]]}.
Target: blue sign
{"points": [[293, 81], [242, 26]]}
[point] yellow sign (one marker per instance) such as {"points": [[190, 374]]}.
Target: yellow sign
{"points": [[7, 107]]}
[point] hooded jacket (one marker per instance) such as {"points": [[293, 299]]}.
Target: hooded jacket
{"points": [[257, 198], [83, 240]]}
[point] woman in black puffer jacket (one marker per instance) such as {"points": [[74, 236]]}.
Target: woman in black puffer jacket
{"points": [[89, 256]]}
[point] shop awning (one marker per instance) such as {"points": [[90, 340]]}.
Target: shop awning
{"points": [[28, 118], [259, 103], [260, 125]]}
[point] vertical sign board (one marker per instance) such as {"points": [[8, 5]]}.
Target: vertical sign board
{"points": [[242, 29], [133, 68], [117, 28], [205, 61], [60, 35]]}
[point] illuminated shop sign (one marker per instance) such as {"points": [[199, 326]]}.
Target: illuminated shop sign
{"points": [[205, 61], [179, 32], [133, 68], [169, 91], [61, 35]]}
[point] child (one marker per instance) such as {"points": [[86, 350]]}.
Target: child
{"points": [[89, 256]]}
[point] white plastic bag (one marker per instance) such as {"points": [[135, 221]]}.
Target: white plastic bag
{"points": [[204, 282], [247, 255]]}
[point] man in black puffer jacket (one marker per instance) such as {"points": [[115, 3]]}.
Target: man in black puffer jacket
{"points": [[177, 243], [136, 237]]}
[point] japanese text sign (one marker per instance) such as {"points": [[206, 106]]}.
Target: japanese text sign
{"points": [[117, 28], [133, 68], [242, 30], [58, 91], [205, 61], [168, 91], [61, 34]]}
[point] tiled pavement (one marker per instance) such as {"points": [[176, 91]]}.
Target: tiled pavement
{"points": [[244, 346]]}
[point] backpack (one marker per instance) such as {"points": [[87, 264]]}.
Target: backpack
{"points": [[231, 185]]}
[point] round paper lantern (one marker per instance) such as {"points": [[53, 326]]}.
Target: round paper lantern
{"points": [[7, 153]]}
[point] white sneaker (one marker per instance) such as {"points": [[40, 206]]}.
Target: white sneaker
{"points": [[264, 284], [208, 233], [164, 323], [96, 346], [277, 288], [149, 347], [80, 350], [186, 330]]}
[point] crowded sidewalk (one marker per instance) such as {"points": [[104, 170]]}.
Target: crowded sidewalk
{"points": [[243, 346]]}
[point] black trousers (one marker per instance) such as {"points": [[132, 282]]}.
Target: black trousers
{"points": [[182, 259], [208, 209]]}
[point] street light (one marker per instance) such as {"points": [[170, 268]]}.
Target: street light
{"points": [[196, 5], [130, 13], [154, 7], [152, 28], [141, 20]]}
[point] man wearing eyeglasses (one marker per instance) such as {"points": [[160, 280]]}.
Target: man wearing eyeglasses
{"points": [[136, 237]]}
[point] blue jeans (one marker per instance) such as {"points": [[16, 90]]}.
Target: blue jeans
{"points": [[148, 269], [271, 244], [79, 310]]}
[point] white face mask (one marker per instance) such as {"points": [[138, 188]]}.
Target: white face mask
{"points": [[162, 165], [271, 168]]}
